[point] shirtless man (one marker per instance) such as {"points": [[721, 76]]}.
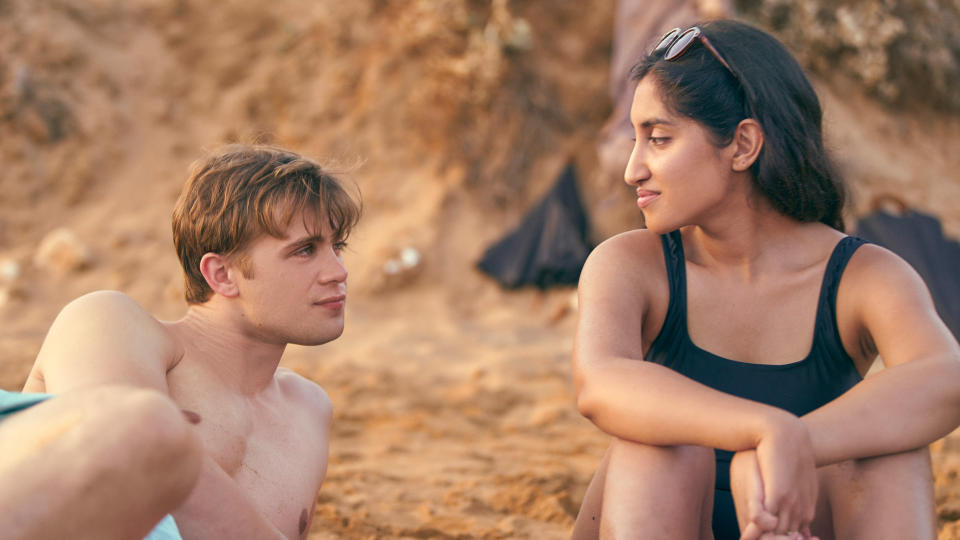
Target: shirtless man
{"points": [[259, 233]]}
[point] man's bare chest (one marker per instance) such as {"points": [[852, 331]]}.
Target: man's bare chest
{"points": [[269, 448]]}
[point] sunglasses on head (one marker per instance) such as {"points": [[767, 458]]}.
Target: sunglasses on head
{"points": [[677, 41]]}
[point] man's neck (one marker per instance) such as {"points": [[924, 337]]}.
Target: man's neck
{"points": [[241, 360]]}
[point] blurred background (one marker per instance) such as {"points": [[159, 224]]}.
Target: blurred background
{"points": [[454, 411]]}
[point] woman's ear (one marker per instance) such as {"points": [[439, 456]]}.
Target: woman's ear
{"points": [[216, 272], [747, 143]]}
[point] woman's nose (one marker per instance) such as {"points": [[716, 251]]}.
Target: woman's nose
{"points": [[636, 171]]}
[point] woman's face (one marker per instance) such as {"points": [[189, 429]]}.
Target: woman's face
{"points": [[681, 178]]}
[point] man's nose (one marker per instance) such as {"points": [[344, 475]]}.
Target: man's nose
{"points": [[333, 270]]}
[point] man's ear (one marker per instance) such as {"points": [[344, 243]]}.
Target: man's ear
{"points": [[747, 143], [216, 271]]}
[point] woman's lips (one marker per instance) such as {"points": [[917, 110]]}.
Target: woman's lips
{"points": [[645, 197]]}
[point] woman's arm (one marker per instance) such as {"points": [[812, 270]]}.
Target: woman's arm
{"points": [[642, 401], [884, 307], [651, 404]]}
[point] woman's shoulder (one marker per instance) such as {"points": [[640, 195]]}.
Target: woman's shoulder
{"points": [[638, 246], [872, 265], [634, 256]]}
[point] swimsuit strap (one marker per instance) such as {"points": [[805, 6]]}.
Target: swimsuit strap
{"points": [[675, 322], [826, 333]]}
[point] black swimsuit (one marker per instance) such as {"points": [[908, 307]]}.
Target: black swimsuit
{"points": [[800, 387]]}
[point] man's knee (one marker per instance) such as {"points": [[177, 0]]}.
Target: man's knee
{"points": [[144, 433], [154, 425]]}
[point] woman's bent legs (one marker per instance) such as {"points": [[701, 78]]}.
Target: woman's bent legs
{"points": [[98, 463], [882, 497], [643, 491]]}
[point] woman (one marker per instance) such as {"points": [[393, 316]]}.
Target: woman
{"points": [[757, 318]]}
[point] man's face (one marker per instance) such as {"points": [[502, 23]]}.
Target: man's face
{"points": [[296, 290]]}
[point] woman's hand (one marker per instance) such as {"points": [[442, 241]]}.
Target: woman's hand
{"points": [[780, 473], [747, 488], [747, 485]]}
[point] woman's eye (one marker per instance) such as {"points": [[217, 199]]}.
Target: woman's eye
{"points": [[658, 141], [339, 246]]}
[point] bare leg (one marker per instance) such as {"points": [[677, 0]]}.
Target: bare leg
{"points": [[882, 497], [101, 463], [649, 492], [587, 526]]}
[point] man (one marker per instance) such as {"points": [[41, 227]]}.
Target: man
{"points": [[259, 232]]}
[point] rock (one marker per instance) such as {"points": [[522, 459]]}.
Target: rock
{"points": [[62, 251], [11, 286], [399, 269], [903, 52], [9, 271]]}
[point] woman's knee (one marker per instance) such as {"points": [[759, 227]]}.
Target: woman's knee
{"points": [[890, 495], [912, 466], [693, 463], [657, 492]]}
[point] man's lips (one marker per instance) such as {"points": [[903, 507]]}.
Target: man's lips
{"points": [[332, 302], [646, 196]]}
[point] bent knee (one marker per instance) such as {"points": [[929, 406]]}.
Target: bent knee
{"points": [[153, 422], [905, 476], [909, 464], [144, 428], [686, 460]]}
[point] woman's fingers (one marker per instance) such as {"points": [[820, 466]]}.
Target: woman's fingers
{"points": [[753, 532], [748, 496], [788, 472]]}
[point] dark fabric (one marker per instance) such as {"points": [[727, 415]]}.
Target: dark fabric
{"points": [[800, 387], [919, 239], [550, 245], [725, 525]]}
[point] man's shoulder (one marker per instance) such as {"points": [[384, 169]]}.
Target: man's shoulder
{"points": [[105, 337], [112, 309], [106, 300], [305, 392]]}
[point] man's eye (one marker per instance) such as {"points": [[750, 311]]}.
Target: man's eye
{"points": [[658, 141], [339, 246], [305, 250]]}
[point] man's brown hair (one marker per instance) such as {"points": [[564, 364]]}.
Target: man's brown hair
{"points": [[240, 192]]}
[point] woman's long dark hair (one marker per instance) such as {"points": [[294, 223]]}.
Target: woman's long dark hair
{"points": [[793, 170]]}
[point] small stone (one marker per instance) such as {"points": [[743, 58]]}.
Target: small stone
{"points": [[9, 270], [63, 252]]}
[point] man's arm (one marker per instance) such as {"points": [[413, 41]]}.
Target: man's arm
{"points": [[107, 338], [218, 508]]}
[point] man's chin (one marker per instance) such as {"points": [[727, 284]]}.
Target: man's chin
{"points": [[317, 339]]}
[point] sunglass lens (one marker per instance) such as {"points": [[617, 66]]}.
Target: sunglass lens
{"points": [[682, 44], [667, 39]]}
